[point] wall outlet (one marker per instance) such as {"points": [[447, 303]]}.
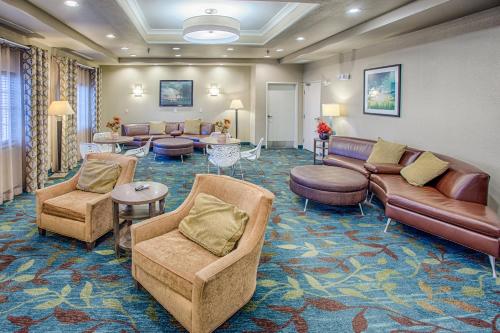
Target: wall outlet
{"points": [[201, 110]]}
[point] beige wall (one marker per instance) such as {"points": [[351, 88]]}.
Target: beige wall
{"points": [[117, 98], [450, 94], [267, 73]]}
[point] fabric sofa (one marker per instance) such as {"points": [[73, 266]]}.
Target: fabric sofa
{"points": [[140, 133], [198, 288], [86, 216], [452, 206]]}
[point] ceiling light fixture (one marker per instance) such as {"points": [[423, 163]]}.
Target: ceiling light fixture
{"points": [[176, 48], [225, 56], [71, 3], [110, 36], [353, 10], [230, 49], [211, 29], [300, 38], [124, 48], [133, 55], [279, 50], [177, 55]]}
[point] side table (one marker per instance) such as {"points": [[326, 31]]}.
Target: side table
{"points": [[320, 149], [131, 209]]}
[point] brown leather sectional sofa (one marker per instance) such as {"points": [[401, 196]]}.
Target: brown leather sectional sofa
{"points": [[453, 206], [140, 133]]}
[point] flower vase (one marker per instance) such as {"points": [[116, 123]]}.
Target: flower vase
{"points": [[114, 135], [324, 136]]}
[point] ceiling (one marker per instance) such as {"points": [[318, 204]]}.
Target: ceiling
{"points": [[151, 29]]}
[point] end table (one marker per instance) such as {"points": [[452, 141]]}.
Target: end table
{"points": [[320, 149]]}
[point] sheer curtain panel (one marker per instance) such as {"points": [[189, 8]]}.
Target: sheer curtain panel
{"points": [[11, 177]]}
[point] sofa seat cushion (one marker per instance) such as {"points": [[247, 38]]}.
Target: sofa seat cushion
{"points": [[174, 260], [155, 137], [428, 201], [72, 205], [194, 137], [346, 162]]}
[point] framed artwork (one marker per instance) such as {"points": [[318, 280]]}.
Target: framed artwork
{"points": [[176, 93], [382, 91]]}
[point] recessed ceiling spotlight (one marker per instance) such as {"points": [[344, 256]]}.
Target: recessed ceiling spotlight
{"points": [[221, 64], [71, 3], [354, 10], [176, 48], [225, 55], [279, 50], [300, 38], [210, 11], [124, 48], [177, 55], [133, 55], [230, 49], [110, 36]]}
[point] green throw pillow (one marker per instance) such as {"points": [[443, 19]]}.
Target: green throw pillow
{"points": [[386, 152], [424, 169], [156, 127], [192, 126], [98, 176], [214, 224]]}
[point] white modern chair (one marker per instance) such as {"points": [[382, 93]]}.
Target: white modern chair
{"points": [[225, 156], [106, 148], [86, 148], [253, 155], [141, 151]]}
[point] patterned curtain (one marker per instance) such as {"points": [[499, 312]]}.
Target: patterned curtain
{"points": [[36, 89], [67, 92], [95, 103]]}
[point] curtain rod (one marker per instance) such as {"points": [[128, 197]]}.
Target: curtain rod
{"points": [[84, 66], [9, 42]]}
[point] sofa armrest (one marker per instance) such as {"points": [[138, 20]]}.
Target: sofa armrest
{"points": [[223, 287], [385, 168], [53, 191]]}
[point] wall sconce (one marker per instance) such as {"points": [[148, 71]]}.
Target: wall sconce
{"points": [[214, 91], [138, 91]]}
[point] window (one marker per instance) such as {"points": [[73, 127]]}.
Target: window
{"points": [[10, 105]]}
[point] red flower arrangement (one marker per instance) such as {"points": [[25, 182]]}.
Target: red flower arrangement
{"points": [[323, 128]]}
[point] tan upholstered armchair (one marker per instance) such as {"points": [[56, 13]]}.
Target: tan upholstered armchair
{"points": [[86, 216], [198, 288]]}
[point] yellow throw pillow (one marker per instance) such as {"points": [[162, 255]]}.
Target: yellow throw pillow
{"points": [[98, 176], [156, 127], [214, 224], [386, 152], [424, 169], [192, 126]]}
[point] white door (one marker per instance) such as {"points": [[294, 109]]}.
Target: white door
{"points": [[312, 112], [281, 113]]}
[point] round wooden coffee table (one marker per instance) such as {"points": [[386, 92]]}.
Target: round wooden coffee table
{"points": [[129, 205], [113, 141]]}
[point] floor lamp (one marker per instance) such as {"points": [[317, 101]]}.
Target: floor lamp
{"points": [[59, 109], [236, 105]]}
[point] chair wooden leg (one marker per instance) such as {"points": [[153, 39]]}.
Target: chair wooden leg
{"points": [[138, 286], [42, 232], [90, 245]]}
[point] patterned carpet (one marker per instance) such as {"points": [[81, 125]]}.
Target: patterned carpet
{"points": [[330, 270]]}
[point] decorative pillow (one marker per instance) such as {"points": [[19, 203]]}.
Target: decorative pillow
{"points": [[386, 152], [214, 224], [424, 169], [192, 126], [156, 127], [98, 176], [170, 127]]}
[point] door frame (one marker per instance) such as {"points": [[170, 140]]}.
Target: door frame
{"points": [[303, 106], [295, 114]]}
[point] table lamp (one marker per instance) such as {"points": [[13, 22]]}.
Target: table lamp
{"points": [[331, 110], [59, 109], [236, 105]]}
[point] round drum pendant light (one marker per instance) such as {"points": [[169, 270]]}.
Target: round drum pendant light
{"points": [[211, 29]]}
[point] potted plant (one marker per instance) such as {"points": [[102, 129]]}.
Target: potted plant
{"points": [[114, 126], [324, 131]]}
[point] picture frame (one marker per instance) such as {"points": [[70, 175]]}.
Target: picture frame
{"points": [[382, 91], [176, 93]]}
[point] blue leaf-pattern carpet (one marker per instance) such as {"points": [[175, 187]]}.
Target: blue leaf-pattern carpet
{"points": [[329, 270]]}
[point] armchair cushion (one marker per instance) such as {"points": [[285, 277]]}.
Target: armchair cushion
{"points": [[98, 176], [214, 224], [71, 205], [173, 259]]}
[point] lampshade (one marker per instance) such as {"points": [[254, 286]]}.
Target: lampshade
{"points": [[60, 108], [236, 104], [331, 110]]}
